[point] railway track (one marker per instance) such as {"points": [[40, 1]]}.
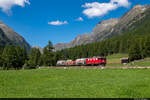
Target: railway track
{"points": [[100, 67]]}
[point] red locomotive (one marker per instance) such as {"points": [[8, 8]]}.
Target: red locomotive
{"points": [[95, 61]]}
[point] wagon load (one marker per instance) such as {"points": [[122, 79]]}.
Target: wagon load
{"points": [[81, 61]]}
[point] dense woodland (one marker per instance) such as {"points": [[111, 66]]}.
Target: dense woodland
{"points": [[135, 42], [15, 57]]}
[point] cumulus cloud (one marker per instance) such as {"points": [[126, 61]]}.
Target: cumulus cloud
{"points": [[57, 23], [80, 19], [6, 5], [96, 9]]}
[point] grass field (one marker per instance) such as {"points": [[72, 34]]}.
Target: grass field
{"points": [[115, 60], [75, 83]]}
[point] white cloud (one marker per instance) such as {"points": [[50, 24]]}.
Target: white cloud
{"points": [[57, 23], [123, 3], [6, 5], [96, 9], [80, 19]]}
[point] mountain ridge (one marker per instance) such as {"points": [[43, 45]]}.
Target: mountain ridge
{"points": [[109, 28], [12, 37]]}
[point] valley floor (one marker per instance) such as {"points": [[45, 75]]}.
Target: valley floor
{"points": [[75, 83]]}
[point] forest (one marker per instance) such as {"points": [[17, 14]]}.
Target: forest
{"points": [[15, 57]]}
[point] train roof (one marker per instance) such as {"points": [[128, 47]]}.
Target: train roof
{"points": [[60, 60]]}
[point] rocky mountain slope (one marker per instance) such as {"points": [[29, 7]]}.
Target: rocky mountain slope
{"points": [[8, 36], [37, 47], [3, 38], [109, 28]]}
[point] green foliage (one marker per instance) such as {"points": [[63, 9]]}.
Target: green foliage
{"points": [[134, 52], [1, 51], [24, 55], [146, 51], [9, 57], [12, 57], [34, 58], [48, 57], [21, 56]]}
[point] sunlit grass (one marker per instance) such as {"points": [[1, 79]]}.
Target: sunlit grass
{"points": [[115, 59], [75, 83]]}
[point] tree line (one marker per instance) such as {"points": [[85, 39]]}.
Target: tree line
{"points": [[16, 57], [138, 47]]}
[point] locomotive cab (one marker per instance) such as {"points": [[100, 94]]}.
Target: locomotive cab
{"points": [[102, 61], [96, 61]]}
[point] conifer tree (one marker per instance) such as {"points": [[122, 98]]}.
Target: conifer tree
{"points": [[146, 51], [21, 56], [48, 56], [24, 54], [9, 57], [19, 62], [1, 51], [34, 58], [134, 51]]}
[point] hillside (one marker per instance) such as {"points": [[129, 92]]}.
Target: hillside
{"points": [[139, 35], [7, 35], [3, 38], [109, 28]]}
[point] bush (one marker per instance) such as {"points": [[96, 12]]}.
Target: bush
{"points": [[27, 66]]}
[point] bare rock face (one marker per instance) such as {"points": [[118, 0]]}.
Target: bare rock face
{"points": [[37, 47], [109, 28], [88, 38], [104, 25], [3, 39], [100, 31], [14, 37]]}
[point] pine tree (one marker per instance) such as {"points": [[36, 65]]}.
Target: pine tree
{"points": [[34, 58], [48, 56], [116, 46], [21, 56], [24, 54], [19, 63], [1, 51], [146, 51], [9, 57], [134, 51]]}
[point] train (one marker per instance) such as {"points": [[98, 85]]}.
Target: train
{"points": [[94, 61]]}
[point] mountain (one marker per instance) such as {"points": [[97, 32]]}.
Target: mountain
{"points": [[110, 28], [3, 38], [37, 47], [8, 36]]}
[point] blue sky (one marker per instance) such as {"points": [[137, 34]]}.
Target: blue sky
{"points": [[39, 21]]}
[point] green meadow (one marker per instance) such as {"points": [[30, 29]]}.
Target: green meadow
{"points": [[75, 83], [115, 61]]}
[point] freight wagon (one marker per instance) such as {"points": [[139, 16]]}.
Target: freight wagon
{"points": [[95, 61]]}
